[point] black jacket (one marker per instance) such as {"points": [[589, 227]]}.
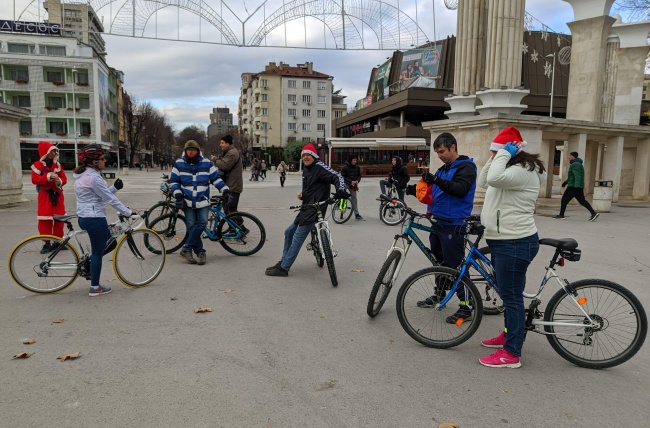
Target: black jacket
{"points": [[317, 180], [350, 173], [399, 173]]}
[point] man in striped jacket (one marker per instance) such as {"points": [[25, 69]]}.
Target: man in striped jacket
{"points": [[190, 182]]}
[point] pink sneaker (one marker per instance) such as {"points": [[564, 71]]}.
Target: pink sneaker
{"points": [[495, 342], [501, 358]]}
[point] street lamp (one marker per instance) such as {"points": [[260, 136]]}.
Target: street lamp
{"points": [[74, 115], [550, 112]]}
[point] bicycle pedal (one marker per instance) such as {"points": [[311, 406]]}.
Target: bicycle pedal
{"points": [[334, 254], [309, 247]]}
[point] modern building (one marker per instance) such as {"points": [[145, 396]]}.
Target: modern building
{"points": [[220, 122]]}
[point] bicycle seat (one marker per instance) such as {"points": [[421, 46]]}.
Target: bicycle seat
{"points": [[64, 217], [561, 244]]}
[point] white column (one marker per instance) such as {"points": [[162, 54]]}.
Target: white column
{"points": [[612, 163], [641, 186]]}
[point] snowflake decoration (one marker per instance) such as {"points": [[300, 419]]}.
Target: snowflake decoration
{"points": [[559, 40], [547, 69], [524, 48], [544, 34], [534, 56], [528, 23]]}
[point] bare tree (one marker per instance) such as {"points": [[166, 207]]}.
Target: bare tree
{"points": [[192, 132], [136, 115], [633, 10]]}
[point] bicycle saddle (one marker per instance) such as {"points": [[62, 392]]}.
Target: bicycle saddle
{"points": [[561, 244], [64, 217]]}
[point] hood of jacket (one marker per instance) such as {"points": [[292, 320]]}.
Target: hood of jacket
{"points": [[578, 160], [44, 148], [398, 161]]}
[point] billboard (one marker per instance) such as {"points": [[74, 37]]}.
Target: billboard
{"points": [[104, 112], [379, 82], [421, 62]]}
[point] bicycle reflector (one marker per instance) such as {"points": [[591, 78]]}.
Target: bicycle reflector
{"points": [[581, 301], [561, 261]]}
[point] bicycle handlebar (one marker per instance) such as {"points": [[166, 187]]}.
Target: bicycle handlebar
{"points": [[133, 218], [329, 201]]}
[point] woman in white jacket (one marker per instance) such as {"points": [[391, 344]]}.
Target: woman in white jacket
{"points": [[512, 178]]}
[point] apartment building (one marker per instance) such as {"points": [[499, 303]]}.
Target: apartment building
{"points": [[77, 20], [220, 121], [286, 103]]}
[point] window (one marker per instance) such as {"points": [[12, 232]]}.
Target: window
{"points": [[264, 126], [84, 128], [320, 127], [321, 113], [306, 126], [291, 83], [292, 97], [55, 102], [22, 48], [292, 112], [306, 84], [21, 101], [54, 76], [338, 113], [291, 139], [83, 102], [322, 99], [306, 99], [82, 78], [264, 83], [51, 50], [306, 139], [20, 75], [265, 97], [306, 112], [322, 85], [25, 127], [265, 112], [291, 126], [57, 127]]}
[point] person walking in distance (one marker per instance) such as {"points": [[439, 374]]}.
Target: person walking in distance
{"points": [[190, 181], [282, 170], [263, 169], [231, 170], [512, 179], [352, 175], [49, 178], [575, 184], [317, 179]]}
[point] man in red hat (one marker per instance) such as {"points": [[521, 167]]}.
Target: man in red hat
{"points": [[317, 178]]}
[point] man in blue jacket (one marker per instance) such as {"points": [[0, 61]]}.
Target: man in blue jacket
{"points": [[454, 184], [190, 182]]}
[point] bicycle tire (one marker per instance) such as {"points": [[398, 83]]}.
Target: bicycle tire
{"points": [[320, 261], [383, 284], [30, 269], [158, 210], [341, 216], [623, 320], [390, 214], [427, 325], [492, 303], [139, 257], [245, 236], [329, 257], [172, 228]]}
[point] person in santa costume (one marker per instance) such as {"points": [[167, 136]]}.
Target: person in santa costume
{"points": [[49, 178]]}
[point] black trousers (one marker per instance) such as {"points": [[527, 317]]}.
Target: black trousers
{"points": [[578, 193]]}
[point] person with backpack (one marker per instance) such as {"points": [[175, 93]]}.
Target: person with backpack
{"points": [[352, 175], [398, 174]]}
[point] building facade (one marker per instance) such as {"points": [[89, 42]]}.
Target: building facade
{"points": [[220, 122]]}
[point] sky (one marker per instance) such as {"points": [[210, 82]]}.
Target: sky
{"points": [[186, 80]]}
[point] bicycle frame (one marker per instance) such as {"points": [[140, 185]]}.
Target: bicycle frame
{"points": [[216, 209]]}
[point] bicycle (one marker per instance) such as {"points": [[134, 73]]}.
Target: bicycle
{"points": [[164, 206], [390, 270], [138, 257], [321, 239], [389, 211], [592, 323], [239, 233], [342, 209]]}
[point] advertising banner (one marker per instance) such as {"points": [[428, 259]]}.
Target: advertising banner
{"points": [[30, 27], [379, 82], [422, 62]]}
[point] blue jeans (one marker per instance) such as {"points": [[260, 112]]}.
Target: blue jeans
{"points": [[195, 220], [510, 259], [294, 237], [98, 233]]}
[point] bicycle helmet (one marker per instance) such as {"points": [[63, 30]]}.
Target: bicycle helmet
{"points": [[90, 153]]}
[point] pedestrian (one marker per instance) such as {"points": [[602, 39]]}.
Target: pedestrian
{"points": [[575, 184], [93, 194], [352, 175], [317, 179], [254, 170], [512, 179], [282, 170], [454, 185], [231, 171], [263, 169], [399, 175], [49, 177], [190, 181]]}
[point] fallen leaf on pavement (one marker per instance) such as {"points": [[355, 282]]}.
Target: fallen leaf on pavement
{"points": [[58, 321], [23, 355], [68, 356], [448, 425], [228, 291], [198, 310], [29, 341], [357, 270]]}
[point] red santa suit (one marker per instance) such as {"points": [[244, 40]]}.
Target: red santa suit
{"points": [[50, 190]]}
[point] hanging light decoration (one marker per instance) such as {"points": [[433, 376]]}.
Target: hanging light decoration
{"points": [[451, 4]]}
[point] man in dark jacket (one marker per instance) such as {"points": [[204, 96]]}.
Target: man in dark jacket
{"points": [[231, 170], [399, 174], [317, 178], [575, 184], [352, 175]]}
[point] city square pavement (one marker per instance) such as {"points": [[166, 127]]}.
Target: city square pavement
{"points": [[295, 351]]}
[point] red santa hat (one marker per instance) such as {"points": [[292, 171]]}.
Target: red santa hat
{"points": [[310, 150], [508, 135]]}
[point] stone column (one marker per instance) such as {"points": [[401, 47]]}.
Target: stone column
{"points": [[11, 175], [547, 155], [641, 187], [612, 164]]}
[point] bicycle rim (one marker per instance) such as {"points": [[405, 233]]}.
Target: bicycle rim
{"points": [[43, 273], [428, 325], [139, 257], [492, 303], [339, 215], [621, 331], [329, 257], [391, 214], [172, 229], [383, 284], [158, 210], [242, 234]]}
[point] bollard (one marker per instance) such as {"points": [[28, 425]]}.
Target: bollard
{"points": [[602, 201]]}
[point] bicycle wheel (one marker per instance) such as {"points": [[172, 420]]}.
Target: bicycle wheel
{"points": [[139, 257], [341, 213], [329, 257], [158, 210], [172, 229], [622, 324], [43, 273], [383, 283], [320, 261], [428, 325], [391, 214], [244, 234], [492, 303]]}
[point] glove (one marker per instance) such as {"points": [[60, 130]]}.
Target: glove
{"points": [[430, 178], [225, 192], [410, 189], [511, 148], [565, 183], [180, 200], [341, 194], [118, 184]]}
